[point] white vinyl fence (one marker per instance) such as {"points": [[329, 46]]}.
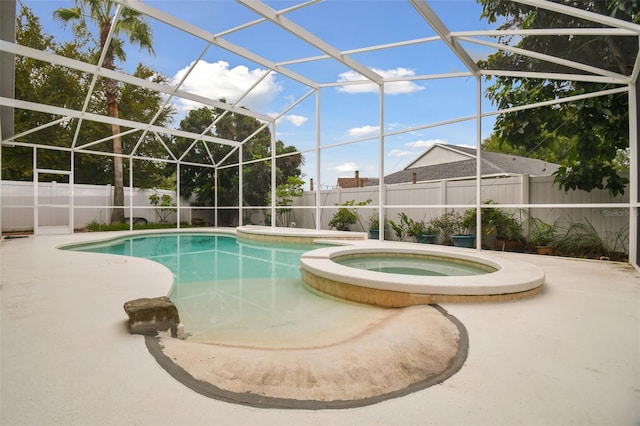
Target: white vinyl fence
{"points": [[91, 203], [415, 199]]}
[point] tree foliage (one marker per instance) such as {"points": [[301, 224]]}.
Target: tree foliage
{"points": [[46, 83], [555, 152], [285, 196], [256, 157], [594, 130], [130, 24], [38, 81]]}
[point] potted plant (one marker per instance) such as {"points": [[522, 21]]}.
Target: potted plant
{"points": [[508, 230], [374, 226], [500, 229], [464, 229], [542, 237], [444, 226], [429, 234], [424, 233], [400, 228], [414, 228]]}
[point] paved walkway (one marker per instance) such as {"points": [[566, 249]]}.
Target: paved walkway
{"points": [[570, 355]]}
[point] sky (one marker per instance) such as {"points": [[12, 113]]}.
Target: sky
{"points": [[348, 112]]}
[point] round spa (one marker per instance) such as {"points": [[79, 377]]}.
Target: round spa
{"points": [[407, 274], [413, 264]]}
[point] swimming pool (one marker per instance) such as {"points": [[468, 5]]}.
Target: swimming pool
{"points": [[244, 294], [259, 335]]}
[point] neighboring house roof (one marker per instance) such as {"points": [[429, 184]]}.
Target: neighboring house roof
{"points": [[461, 162], [354, 182]]}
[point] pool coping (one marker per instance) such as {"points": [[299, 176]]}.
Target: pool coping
{"points": [[107, 237], [513, 279], [295, 235]]}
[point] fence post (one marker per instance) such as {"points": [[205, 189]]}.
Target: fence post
{"points": [[109, 204], [443, 195], [524, 195]]}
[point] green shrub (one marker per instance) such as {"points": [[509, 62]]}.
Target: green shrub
{"points": [[445, 225], [543, 234], [374, 221], [347, 215], [581, 239]]}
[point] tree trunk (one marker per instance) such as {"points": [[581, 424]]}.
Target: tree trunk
{"points": [[111, 93], [117, 216]]}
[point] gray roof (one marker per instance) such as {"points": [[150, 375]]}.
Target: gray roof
{"points": [[492, 163]]}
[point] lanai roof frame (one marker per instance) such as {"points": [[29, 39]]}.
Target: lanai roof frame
{"points": [[453, 39]]}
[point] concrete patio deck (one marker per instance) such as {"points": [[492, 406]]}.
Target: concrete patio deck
{"points": [[570, 355]]}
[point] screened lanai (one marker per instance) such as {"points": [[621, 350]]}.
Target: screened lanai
{"points": [[345, 83]]}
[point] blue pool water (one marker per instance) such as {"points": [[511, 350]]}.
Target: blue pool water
{"points": [[193, 257], [231, 292], [429, 266]]}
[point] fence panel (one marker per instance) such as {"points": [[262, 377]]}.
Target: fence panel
{"points": [[502, 190], [605, 220], [91, 203]]}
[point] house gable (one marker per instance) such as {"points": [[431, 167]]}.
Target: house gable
{"points": [[439, 162], [439, 154]]}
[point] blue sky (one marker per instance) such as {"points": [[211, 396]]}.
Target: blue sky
{"points": [[348, 112]]}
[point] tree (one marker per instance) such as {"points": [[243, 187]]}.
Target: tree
{"points": [[137, 104], [555, 152], [131, 24], [45, 83], [201, 181], [285, 194], [142, 104], [595, 130]]}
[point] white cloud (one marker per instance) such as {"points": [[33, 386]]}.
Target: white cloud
{"points": [[395, 88], [364, 130], [401, 153], [425, 144], [296, 120], [346, 167], [217, 80]]}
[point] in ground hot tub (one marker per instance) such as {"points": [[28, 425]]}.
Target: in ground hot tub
{"points": [[395, 275], [413, 264]]}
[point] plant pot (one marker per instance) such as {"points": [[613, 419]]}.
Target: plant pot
{"points": [[464, 240], [426, 238], [488, 240], [374, 234], [508, 245], [544, 250]]}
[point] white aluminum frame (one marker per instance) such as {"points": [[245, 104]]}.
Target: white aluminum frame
{"points": [[452, 40]]}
